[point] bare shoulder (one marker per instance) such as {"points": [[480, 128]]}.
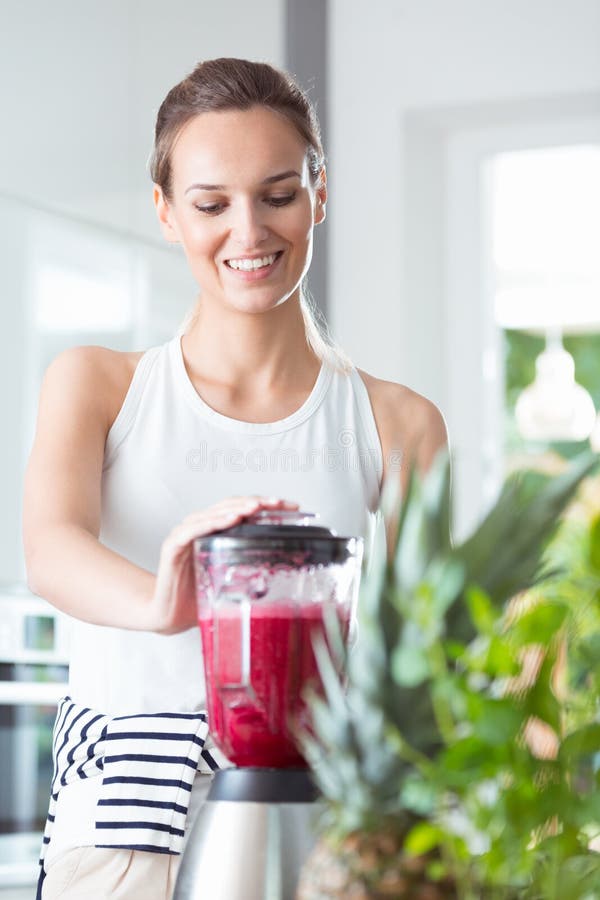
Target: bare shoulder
{"points": [[407, 421], [104, 375], [400, 404]]}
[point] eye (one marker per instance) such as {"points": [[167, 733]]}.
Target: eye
{"points": [[209, 210], [214, 209], [282, 201]]}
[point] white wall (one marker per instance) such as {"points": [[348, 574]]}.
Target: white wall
{"points": [[80, 85], [420, 92], [394, 59]]}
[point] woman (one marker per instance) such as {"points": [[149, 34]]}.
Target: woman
{"points": [[136, 454]]}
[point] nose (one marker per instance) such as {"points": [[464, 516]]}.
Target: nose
{"points": [[248, 228]]}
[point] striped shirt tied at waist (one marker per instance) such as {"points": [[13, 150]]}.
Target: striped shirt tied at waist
{"points": [[147, 763]]}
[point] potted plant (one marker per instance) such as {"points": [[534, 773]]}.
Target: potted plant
{"points": [[451, 761]]}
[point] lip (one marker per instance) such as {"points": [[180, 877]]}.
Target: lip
{"points": [[253, 256], [254, 274]]}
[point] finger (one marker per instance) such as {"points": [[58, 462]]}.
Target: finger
{"points": [[243, 505], [184, 533], [218, 518], [215, 519]]}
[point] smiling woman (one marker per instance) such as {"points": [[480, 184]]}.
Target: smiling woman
{"points": [[233, 200], [137, 454], [235, 86]]}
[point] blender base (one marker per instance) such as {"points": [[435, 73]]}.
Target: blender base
{"points": [[251, 837]]}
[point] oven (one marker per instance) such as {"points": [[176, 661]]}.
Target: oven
{"points": [[33, 674]]}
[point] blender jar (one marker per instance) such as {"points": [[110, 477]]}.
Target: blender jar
{"points": [[265, 588]]}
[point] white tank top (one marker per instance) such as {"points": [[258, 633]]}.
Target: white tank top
{"points": [[169, 454]]}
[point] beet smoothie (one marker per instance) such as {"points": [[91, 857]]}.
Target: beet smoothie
{"points": [[252, 725], [265, 588]]}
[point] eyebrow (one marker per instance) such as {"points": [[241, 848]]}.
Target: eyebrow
{"points": [[221, 187]]}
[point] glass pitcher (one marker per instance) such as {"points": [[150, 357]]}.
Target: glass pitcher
{"points": [[265, 588]]}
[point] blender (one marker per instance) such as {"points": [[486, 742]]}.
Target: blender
{"points": [[265, 589]]}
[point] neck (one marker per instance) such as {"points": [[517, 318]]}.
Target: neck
{"points": [[264, 350]]}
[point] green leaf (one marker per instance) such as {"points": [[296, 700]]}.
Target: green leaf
{"points": [[583, 742], [540, 699], [588, 649], [423, 527], [584, 811], [482, 611], [503, 555], [540, 624], [422, 838], [330, 678], [437, 499], [418, 796], [497, 721], [500, 660], [409, 665], [334, 732], [455, 650], [595, 544], [450, 691], [447, 577], [577, 878], [469, 758], [412, 555]]}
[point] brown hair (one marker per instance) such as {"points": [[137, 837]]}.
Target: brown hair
{"points": [[228, 83]]}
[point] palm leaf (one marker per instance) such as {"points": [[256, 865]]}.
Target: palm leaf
{"points": [[504, 554], [361, 769]]}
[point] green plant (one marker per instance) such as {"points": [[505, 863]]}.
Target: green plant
{"points": [[429, 743]]}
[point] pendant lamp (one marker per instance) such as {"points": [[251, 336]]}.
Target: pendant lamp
{"points": [[555, 407]]}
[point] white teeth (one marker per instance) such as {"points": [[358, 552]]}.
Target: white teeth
{"points": [[249, 264]]}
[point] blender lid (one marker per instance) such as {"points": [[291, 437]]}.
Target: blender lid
{"points": [[282, 531], [279, 523]]}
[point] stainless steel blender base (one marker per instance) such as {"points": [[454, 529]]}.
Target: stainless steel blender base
{"points": [[251, 837], [246, 851]]}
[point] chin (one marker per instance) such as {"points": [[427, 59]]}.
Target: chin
{"points": [[257, 305]]}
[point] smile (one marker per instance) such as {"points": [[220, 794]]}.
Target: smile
{"points": [[254, 269], [247, 265]]}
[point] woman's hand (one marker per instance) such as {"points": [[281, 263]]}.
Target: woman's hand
{"points": [[173, 607]]}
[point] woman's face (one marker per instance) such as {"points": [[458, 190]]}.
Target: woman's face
{"points": [[241, 190]]}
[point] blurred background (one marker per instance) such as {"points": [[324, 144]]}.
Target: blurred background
{"points": [[460, 254]]}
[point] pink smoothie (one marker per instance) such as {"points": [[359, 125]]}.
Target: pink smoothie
{"points": [[252, 726]]}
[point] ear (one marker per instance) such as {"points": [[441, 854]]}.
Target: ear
{"points": [[321, 197], [163, 211]]}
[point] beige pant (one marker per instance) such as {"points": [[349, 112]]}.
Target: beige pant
{"points": [[94, 873]]}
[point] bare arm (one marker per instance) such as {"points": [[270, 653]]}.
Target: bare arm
{"points": [[66, 563], [410, 426], [425, 439]]}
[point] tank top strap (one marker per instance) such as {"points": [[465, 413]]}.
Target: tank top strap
{"points": [[126, 415], [367, 420]]}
